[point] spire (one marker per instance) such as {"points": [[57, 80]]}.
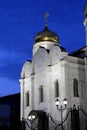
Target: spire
{"points": [[46, 19], [85, 20]]}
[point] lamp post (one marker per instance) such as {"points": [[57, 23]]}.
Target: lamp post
{"points": [[61, 108], [29, 122], [31, 118]]}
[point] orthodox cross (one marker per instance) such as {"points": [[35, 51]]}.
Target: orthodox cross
{"points": [[46, 18]]}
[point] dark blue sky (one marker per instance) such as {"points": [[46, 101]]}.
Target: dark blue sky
{"points": [[20, 20]]}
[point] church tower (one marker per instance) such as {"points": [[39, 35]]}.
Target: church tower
{"points": [[52, 75]]}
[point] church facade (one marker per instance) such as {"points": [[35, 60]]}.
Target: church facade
{"points": [[53, 75]]}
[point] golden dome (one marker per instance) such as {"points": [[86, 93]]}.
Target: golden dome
{"points": [[46, 35]]}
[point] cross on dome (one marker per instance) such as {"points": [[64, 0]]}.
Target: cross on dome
{"points": [[46, 18]]}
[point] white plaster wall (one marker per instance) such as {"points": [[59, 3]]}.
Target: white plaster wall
{"points": [[41, 79], [47, 78], [74, 69], [27, 86], [65, 72]]}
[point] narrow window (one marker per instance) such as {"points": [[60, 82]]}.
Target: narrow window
{"points": [[75, 88], [56, 89], [27, 99], [41, 93]]}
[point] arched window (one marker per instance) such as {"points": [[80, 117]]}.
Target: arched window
{"points": [[27, 99], [75, 88], [41, 93], [56, 89]]}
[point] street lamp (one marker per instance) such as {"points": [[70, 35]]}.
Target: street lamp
{"points": [[31, 117], [61, 108], [31, 122]]}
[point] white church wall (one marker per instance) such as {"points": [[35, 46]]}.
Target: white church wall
{"points": [[75, 71], [28, 89], [22, 98], [57, 72], [41, 80]]}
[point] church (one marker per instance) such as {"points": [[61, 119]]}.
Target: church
{"points": [[54, 84]]}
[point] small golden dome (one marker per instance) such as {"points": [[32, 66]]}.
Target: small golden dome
{"points": [[46, 35]]}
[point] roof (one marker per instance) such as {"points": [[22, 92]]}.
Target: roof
{"points": [[81, 53]]}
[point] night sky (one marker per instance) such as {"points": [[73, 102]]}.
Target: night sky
{"points": [[21, 20]]}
